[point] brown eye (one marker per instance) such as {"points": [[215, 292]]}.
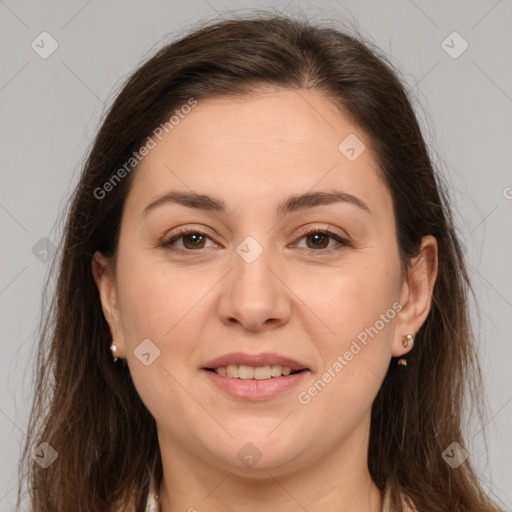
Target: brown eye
{"points": [[317, 241], [196, 240], [191, 240]]}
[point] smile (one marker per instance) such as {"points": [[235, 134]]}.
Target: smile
{"points": [[246, 372]]}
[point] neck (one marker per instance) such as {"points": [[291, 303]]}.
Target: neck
{"points": [[337, 481]]}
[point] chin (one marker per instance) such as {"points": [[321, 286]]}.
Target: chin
{"points": [[248, 454]]}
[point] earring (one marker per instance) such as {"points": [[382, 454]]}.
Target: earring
{"points": [[113, 348], [408, 340]]}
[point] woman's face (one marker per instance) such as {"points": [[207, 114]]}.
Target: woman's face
{"points": [[253, 286]]}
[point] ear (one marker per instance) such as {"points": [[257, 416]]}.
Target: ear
{"points": [[416, 294], [105, 281]]}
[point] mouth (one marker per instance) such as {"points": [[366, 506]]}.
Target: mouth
{"points": [[246, 372], [254, 377]]}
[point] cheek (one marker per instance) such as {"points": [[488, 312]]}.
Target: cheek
{"points": [[160, 306], [358, 304], [163, 306], [354, 296], [154, 297], [356, 357]]}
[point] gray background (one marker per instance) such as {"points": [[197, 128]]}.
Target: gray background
{"points": [[50, 110]]}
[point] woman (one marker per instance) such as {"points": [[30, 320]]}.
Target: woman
{"points": [[261, 243]]}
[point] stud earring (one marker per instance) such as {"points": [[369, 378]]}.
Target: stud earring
{"points": [[113, 348], [408, 341], [118, 361]]}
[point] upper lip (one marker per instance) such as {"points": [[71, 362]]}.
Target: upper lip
{"points": [[256, 360]]}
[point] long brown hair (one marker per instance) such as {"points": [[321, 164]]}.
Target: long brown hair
{"points": [[88, 409]]}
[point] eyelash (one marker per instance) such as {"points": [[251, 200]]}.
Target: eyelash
{"points": [[167, 244]]}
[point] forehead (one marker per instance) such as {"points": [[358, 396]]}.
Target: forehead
{"points": [[255, 147]]}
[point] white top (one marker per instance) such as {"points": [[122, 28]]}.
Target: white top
{"points": [[152, 503]]}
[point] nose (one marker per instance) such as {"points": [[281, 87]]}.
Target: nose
{"points": [[255, 295]]}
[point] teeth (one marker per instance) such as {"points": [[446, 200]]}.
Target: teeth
{"points": [[245, 372], [262, 372], [275, 370], [250, 372], [232, 371]]}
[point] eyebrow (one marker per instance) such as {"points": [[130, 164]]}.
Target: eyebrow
{"points": [[288, 205]]}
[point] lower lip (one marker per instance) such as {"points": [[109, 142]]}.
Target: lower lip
{"points": [[252, 389]]}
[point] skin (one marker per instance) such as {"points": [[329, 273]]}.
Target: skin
{"points": [[252, 152]]}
